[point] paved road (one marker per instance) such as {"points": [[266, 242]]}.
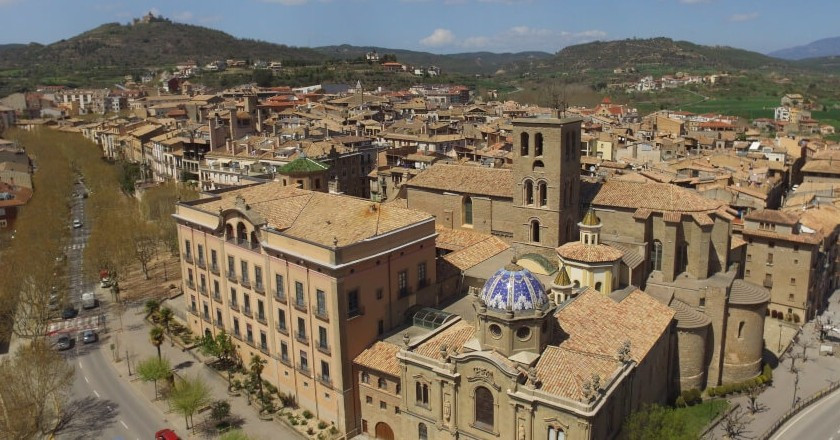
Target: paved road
{"points": [[102, 404], [817, 422]]}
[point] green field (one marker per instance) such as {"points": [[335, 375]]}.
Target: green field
{"points": [[698, 416]]}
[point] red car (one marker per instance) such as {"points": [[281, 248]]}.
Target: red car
{"points": [[166, 434]]}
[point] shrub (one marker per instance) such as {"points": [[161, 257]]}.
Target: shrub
{"points": [[322, 424], [680, 403], [293, 421], [695, 395], [310, 431], [711, 391], [307, 414], [333, 430], [288, 400], [768, 373], [236, 384]]}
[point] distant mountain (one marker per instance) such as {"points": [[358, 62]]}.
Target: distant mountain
{"points": [[468, 62], [826, 47], [655, 51], [157, 43]]}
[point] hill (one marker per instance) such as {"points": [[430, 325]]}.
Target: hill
{"points": [[826, 47], [665, 52], [157, 43], [468, 62]]}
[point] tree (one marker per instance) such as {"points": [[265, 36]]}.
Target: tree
{"points": [[153, 370], [256, 365], [156, 337], [151, 306], [219, 411], [236, 434], [36, 383], [222, 348], [166, 317], [188, 396], [735, 424], [752, 399], [655, 422], [144, 244]]}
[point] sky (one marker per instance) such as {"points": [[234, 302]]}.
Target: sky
{"points": [[447, 26]]}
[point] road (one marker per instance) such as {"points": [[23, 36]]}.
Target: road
{"points": [[102, 404], [817, 422]]}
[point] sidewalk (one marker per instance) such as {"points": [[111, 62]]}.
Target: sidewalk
{"points": [[135, 338], [816, 373]]}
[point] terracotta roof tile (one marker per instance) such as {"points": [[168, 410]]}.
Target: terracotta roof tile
{"points": [[381, 356], [588, 253], [773, 216], [465, 179], [563, 371], [660, 197], [453, 337]]}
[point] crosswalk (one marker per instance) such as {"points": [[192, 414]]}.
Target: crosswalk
{"points": [[76, 324], [75, 246]]}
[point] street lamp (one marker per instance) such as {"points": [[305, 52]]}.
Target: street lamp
{"points": [[780, 339]]}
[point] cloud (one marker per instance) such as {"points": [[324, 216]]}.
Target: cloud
{"points": [[743, 17], [440, 37], [523, 38]]}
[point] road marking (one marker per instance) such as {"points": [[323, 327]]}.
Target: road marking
{"points": [[801, 415], [97, 394], [124, 425], [80, 365], [86, 379]]}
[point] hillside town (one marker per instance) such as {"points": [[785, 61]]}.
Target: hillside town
{"points": [[429, 263]]}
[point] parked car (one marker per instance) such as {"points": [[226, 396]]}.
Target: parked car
{"points": [[89, 336], [69, 312], [63, 342], [166, 434], [77, 224]]}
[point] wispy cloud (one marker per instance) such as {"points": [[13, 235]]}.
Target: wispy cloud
{"points": [[440, 37], [743, 17]]}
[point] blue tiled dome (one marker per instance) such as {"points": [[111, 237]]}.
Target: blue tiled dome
{"points": [[513, 288]]}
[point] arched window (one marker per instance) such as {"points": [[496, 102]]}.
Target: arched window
{"points": [[422, 432], [529, 192], [577, 284], [241, 232], [740, 329], [538, 144], [656, 255], [484, 407], [468, 211], [365, 377], [229, 231], [523, 144], [598, 286], [538, 166], [422, 393], [254, 241], [556, 433], [543, 194], [535, 231], [381, 383]]}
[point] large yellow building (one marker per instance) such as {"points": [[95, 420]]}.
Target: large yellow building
{"points": [[306, 280]]}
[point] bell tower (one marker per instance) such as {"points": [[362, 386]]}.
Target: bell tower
{"points": [[546, 175]]}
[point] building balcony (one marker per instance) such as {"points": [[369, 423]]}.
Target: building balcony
{"points": [[214, 268], [234, 306], [262, 319], [193, 310], [300, 305], [326, 380], [188, 258], [236, 334], [323, 347], [200, 263], [421, 284], [243, 243], [203, 290], [247, 311], [352, 313], [244, 281], [249, 339], [301, 338], [285, 360], [403, 292], [280, 296], [259, 287], [191, 284], [217, 296], [321, 313], [206, 318], [231, 276], [283, 329], [304, 369], [219, 324]]}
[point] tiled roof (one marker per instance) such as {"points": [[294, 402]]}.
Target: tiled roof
{"points": [[746, 293], [303, 165], [453, 337], [476, 253], [822, 218], [326, 219], [687, 317], [661, 197], [465, 180], [381, 356], [822, 166], [563, 371], [773, 216], [639, 318], [798, 238], [588, 253]]}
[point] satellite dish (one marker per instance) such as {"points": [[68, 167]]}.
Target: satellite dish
{"points": [[592, 168]]}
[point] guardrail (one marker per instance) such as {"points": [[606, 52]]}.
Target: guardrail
{"points": [[797, 408]]}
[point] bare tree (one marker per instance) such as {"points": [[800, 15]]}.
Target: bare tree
{"points": [[735, 424], [752, 398]]}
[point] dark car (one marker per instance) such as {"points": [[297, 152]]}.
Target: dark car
{"points": [[69, 312], [63, 342], [89, 336], [166, 434]]}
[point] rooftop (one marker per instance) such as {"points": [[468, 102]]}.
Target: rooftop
{"points": [[465, 179]]}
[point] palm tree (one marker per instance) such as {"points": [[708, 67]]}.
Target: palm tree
{"points": [[165, 316], [257, 365], [156, 338], [152, 306]]}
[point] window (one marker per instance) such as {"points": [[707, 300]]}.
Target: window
{"points": [[325, 371], [216, 289], [790, 297], [203, 282], [190, 278], [353, 304], [231, 267], [187, 249], [236, 326], [322, 337], [246, 302], [383, 405], [421, 275], [369, 400], [320, 302], [193, 306], [747, 272], [749, 258], [260, 310], [380, 327], [538, 144], [284, 351], [200, 253], [364, 425], [244, 274], [382, 384], [529, 192], [523, 144], [556, 433], [233, 297], [214, 260], [304, 361], [422, 393], [365, 377], [379, 293], [299, 294], [793, 281], [468, 211], [656, 255], [543, 194], [598, 286], [258, 277], [702, 302], [278, 285], [249, 333], [263, 341], [402, 282], [741, 330], [281, 319], [484, 408], [301, 327], [535, 231], [769, 258], [422, 432]]}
